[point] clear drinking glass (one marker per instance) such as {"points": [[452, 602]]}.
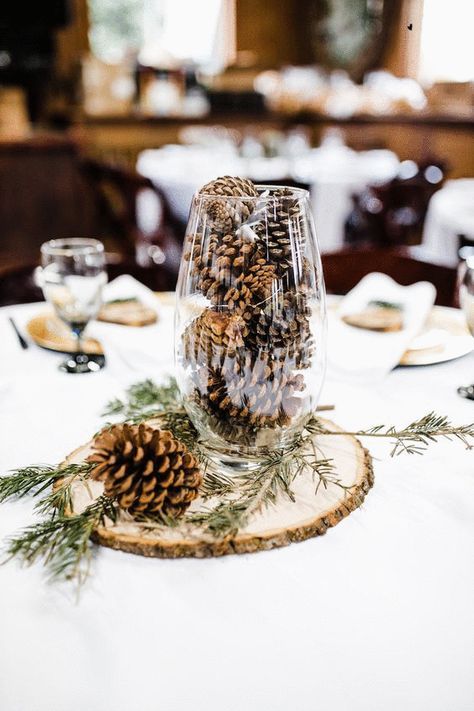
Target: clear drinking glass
{"points": [[72, 276], [466, 293], [250, 322], [466, 301]]}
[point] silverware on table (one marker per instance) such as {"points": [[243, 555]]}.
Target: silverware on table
{"points": [[467, 391], [21, 340]]}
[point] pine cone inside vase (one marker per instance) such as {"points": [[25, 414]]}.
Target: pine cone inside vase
{"points": [[284, 328], [234, 275], [255, 392], [213, 336], [227, 215], [279, 231], [147, 470]]}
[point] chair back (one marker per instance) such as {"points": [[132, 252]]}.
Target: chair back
{"points": [[136, 214], [393, 213], [344, 269], [17, 284]]}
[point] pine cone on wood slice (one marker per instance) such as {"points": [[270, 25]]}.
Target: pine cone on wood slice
{"points": [[147, 470], [228, 215]]}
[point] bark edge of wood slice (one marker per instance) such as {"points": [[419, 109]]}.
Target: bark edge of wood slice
{"points": [[358, 471]]}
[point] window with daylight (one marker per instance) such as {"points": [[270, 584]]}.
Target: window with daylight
{"points": [[446, 41], [164, 33]]}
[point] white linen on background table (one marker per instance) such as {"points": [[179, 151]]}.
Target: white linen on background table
{"points": [[334, 173], [377, 614], [450, 214], [363, 355]]}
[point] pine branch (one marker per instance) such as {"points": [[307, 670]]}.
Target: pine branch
{"points": [[145, 399], [62, 542], [36, 479], [59, 500], [243, 496], [412, 439]]}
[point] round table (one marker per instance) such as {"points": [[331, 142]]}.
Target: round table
{"points": [[376, 614]]}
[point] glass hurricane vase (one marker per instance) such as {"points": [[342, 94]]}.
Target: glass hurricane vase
{"points": [[250, 322]]}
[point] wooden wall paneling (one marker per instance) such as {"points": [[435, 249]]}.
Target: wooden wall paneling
{"points": [[415, 139], [42, 196]]}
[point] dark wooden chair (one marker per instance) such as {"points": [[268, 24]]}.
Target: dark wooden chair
{"points": [[344, 269], [135, 215], [42, 196], [393, 213]]}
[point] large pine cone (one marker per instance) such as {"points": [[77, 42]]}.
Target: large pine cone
{"points": [[227, 215], [147, 470]]}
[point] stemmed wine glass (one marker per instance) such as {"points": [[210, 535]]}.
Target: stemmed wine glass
{"points": [[466, 300], [72, 276]]}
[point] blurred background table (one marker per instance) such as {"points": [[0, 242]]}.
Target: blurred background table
{"points": [[450, 220], [332, 172]]}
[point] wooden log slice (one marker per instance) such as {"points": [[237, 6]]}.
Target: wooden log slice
{"points": [[278, 525]]}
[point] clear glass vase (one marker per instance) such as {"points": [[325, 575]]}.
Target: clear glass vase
{"points": [[250, 322]]}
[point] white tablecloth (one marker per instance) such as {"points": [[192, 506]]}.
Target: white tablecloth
{"points": [[377, 614], [450, 214], [333, 171]]}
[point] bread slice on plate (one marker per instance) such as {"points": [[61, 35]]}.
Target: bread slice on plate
{"points": [[376, 318], [127, 312]]}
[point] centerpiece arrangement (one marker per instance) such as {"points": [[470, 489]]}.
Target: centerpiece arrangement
{"points": [[232, 456]]}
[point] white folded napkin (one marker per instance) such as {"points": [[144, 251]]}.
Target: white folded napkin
{"points": [[133, 353], [360, 355]]}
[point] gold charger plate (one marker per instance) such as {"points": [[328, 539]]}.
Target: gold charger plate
{"points": [[48, 331], [444, 337]]}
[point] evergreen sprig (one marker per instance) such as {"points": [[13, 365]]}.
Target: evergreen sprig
{"points": [[62, 542], [145, 399], [37, 478], [414, 438]]}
